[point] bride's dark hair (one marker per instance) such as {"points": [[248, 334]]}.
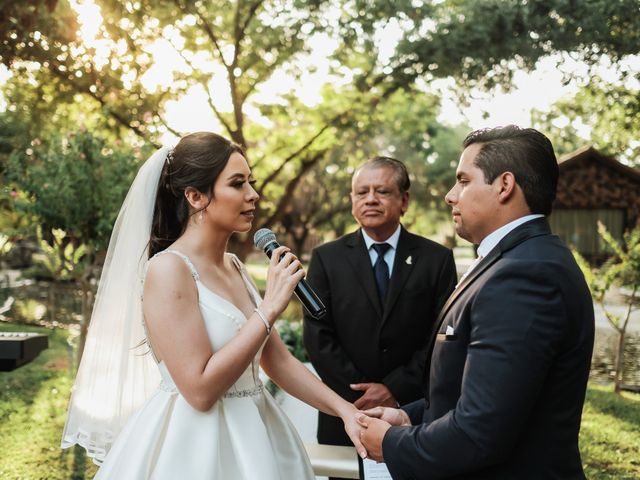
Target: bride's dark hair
{"points": [[195, 162]]}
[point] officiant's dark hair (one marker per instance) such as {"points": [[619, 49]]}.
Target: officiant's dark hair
{"points": [[196, 161], [399, 169]]}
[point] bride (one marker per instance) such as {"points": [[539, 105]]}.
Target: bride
{"points": [[193, 405]]}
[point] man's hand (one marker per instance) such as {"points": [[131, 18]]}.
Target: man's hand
{"points": [[375, 394], [393, 416], [372, 435]]}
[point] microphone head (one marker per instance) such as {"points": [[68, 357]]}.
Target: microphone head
{"points": [[263, 237]]}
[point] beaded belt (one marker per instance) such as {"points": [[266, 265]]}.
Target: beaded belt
{"points": [[251, 392]]}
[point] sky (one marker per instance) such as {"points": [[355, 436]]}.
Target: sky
{"points": [[538, 89]]}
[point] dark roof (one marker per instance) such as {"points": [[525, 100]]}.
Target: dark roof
{"points": [[587, 153]]}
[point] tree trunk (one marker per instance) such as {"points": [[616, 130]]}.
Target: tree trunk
{"points": [[52, 302], [298, 243], [619, 362]]}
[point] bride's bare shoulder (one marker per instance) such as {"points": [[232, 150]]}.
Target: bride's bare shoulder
{"points": [[168, 270]]}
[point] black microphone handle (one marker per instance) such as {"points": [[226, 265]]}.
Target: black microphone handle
{"points": [[309, 299], [303, 291]]}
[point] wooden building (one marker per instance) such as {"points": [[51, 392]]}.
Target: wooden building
{"points": [[591, 187]]}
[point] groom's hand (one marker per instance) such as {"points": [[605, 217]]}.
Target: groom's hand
{"points": [[372, 435], [374, 394], [393, 416]]}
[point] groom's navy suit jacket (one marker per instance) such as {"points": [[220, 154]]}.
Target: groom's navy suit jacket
{"points": [[360, 340], [510, 362]]}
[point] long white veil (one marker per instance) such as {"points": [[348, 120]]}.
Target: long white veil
{"points": [[115, 375]]}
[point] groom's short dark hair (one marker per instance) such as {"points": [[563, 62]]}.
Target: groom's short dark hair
{"points": [[526, 153]]}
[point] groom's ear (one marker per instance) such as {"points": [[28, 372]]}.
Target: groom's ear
{"points": [[197, 200]]}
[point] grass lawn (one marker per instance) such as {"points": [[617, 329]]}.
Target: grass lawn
{"points": [[33, 402], [610, 434], [33, 405]]}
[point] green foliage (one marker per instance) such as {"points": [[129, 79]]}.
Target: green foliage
{"points": [[42, 106], [404, 127], [74, 183], [57, 259], [482, 43], [624, 268], [5, 245], [21, 19], [15, 222], [45, 50], [12, 221], [621, 270], [610, 110], [291, 334], [61, 79], [28, 310]]}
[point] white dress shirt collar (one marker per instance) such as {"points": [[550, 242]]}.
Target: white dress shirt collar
{"points": [[490, 241], [390, 256], [392, 240]]}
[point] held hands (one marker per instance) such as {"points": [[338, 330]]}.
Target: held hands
{"points": [[374, 394], [375, 423], [354, 430], [282, 277], [393, 416]]}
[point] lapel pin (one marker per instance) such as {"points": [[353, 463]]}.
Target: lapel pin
{"points": [[408, 261]]}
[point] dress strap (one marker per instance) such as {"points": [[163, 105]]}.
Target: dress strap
{"points": [[252, 289], [192, 269]]}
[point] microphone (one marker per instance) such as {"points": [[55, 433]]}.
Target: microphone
{"points": [[265, 240]]}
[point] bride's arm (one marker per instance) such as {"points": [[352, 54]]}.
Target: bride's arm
{"points": [[293, 377], [179, 338]]}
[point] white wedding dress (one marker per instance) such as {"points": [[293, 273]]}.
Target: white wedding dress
{"points": [[244, 436]]}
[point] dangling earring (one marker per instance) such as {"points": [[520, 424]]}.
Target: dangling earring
{"points": [[202, 215]]}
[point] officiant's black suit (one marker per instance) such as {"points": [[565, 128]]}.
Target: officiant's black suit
{"points": [[508, 372], [359, 340]]}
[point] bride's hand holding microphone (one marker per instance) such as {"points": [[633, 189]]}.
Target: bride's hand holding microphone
{"points": [[284, 273]]}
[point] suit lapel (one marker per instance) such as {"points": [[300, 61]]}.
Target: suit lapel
{"points": [[360, 260], [521, 233], [401, 271], [485, 263], [525, 231]]}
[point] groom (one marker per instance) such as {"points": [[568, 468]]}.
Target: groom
{"points": [[510, 361]]}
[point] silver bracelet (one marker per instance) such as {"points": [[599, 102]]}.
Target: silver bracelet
{"points": [[264, 319]]}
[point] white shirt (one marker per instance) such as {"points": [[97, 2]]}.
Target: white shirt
{"points": [[490, 241], [390, 256]]}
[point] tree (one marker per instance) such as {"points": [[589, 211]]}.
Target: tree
{"points": [[621, 270], [73, 186], [238, 47], [210, 41], [75, 183], [483, 43], [321, 204], [404, 127], [611, 110]]}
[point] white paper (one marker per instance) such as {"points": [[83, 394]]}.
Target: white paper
{"points": [[375, 471]]}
